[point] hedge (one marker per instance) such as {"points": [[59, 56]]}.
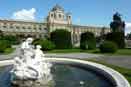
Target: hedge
{"points": [[46, 44], [61, 38], [87, 41], [116, 37], [108, 47], [4, 44]]}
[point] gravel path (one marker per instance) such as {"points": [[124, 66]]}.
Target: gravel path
{"points": [[122, 61], [74, 55]]}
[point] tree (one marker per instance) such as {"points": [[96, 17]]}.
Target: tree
{"points": [[102, 35], [118, 29], [46, 44], [117, 38], [1, 33], [108, 47], [128, 36], [61, 38], [87, 41], [117, 25]]}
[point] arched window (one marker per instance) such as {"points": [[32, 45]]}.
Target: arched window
{"points": [[59, 15], [23, 27], [52, 15], [17, 27], [69, 17]]}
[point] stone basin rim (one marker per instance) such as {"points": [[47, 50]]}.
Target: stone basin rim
{"points": [[115, 77]]}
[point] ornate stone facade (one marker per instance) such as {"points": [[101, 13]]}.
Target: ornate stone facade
{"points": [[56, 19]]}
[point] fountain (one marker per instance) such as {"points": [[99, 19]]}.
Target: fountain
{"points": [[30, 68]]}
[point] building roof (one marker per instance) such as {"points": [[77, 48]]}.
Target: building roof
{"points": [[57, 8]]}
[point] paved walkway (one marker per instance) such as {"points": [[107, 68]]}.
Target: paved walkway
{"points": [[122, 61], [74, 55]]}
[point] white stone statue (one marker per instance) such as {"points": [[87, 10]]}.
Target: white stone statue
{"points": [[27, 44], [31, 64]]}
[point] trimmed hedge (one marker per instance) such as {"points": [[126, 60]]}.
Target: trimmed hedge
{"points": [[46, 44], [4, 44], [12, 39], [62, 39], [88, 41], [116, 37], [108, 47]]}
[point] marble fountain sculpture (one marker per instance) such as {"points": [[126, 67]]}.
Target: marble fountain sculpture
{"points": [[30, 68]]}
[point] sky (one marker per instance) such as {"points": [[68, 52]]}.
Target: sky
{"points": [[84, 12]]}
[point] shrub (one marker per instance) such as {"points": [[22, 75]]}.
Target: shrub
{"points": [[87, 41], [46, 44], [116, 37], [108, 47], [12, 39], [3, 45], [61, 38]]}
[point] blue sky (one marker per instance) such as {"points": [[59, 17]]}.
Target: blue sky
{"points": [[84, 12]]}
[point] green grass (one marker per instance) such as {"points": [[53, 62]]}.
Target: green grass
{"points": [[8, 50], [123, 52], [74, 50], [124, 71]]}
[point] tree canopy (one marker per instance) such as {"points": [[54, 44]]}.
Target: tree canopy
{"points": [[117, 25]]}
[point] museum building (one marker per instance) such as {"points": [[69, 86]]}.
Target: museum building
{"points": [[57, 19]]}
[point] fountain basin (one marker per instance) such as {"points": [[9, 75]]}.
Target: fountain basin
{"points": [[114, 77]]}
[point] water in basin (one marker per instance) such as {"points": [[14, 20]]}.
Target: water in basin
{"points": [[64, 76]]}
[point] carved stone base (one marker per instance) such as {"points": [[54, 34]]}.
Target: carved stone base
{"points": [[31, 83]]}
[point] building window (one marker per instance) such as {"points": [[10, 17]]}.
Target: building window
{"points": [[69, 17], [52, 15], [23, 27], [29, 27], [11, 26], [17, 27], [40, 28], [35, 28], [59, 15], [4, 26]]}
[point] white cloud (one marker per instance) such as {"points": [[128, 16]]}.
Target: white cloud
{"points": [[25, 14], [128, 27]]}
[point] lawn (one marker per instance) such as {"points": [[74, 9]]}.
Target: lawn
{"points": [[124, 71], [124, 52], [74, 50], [8, 50]]}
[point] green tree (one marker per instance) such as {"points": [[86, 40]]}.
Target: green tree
{"points": [[117, 25], [108, 47], [1, 33], [46, 44], [117, 35], [61, 38], [3, 45], [87, 41], [128, 36]]}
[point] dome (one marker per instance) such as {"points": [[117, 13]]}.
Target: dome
{"points": [[57, 8]]}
